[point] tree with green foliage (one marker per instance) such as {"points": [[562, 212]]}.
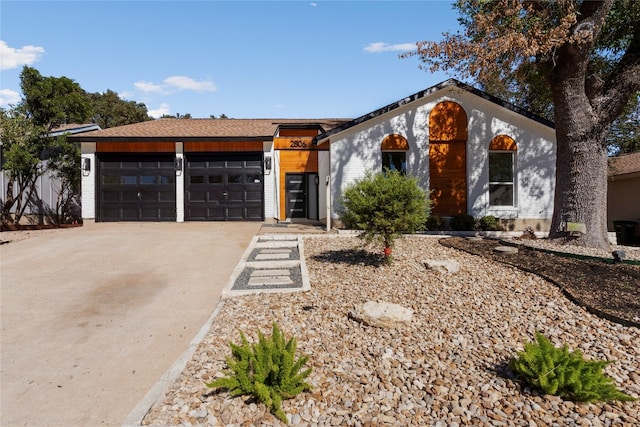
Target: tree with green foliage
{"points": [[22, 145], [384, 206], [53, 101], [109, 110], [584, 55], [28, 150]]}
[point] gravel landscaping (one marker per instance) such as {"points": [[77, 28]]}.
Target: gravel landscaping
{"points": [[448, 367]]}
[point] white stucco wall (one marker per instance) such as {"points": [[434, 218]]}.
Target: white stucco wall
{"points": [[356, 150], [270, 188], [88, 151], [323, 174], [180, 183]]}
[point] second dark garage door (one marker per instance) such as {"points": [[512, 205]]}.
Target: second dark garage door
{"points": [[224, 187]]}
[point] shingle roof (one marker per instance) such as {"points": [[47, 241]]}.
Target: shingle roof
{"points": [[429, 91], [624, 164], [203, 128], [74, 128]]}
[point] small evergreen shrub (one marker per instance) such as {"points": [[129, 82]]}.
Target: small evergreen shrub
{"points": [[384, 205], [489, 223], [434, 223], [268, 371], [463, 222], [560, 372]]}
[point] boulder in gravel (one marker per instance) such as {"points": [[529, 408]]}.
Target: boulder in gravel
{"points": [[382, 314], [506, 249], [442, 266]]}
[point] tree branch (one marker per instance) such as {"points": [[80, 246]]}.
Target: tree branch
{"points": [[623, 83]]}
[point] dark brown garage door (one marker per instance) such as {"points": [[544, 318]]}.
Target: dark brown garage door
{"points": [[136, 188], [224, 187]]}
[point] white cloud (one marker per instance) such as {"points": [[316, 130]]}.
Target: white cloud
{"points": [[187, 83], [159, 112], [313, 4], [8, 97], [13, 58], [147, 86], [386, 47], [126, 95]]}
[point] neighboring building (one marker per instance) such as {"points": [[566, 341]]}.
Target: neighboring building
{"points": [[623, 197], [41, 206], [477, 155]]}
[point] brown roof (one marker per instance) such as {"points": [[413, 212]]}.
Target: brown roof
{"points": [[624, 164], [202, 128]]}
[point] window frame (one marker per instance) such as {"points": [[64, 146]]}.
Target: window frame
{"points": [[511, 183], [402, 161]]}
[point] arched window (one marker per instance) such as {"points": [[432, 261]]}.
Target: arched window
{"points": [[394, 153], [502, 151]]}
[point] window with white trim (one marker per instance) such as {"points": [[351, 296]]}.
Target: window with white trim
{"points": [[394, 153], [502, 157], [501, 178]]}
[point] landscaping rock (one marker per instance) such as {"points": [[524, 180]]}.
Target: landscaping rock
{"points": [[382, 314], [445, 365], [442, 266], [506, 249]]}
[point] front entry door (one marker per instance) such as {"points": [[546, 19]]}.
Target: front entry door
{"points": [[295, 186]]}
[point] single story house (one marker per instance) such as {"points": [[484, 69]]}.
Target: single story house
{"points": [[623, 196], [475, 153]]}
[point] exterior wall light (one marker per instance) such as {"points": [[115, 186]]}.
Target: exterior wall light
{"points": [[86, 164], [267, 163]]}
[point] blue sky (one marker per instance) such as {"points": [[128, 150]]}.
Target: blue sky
{"points": [[246, 59]]}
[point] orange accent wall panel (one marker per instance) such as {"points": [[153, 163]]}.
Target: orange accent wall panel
{"points": [[447, 122], [294, 162], [503, 142], [294, 143], [394, 142], [135, 147], [298, 132], [448, 177], [222, 146]]}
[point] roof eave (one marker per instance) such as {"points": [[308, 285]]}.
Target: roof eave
{"points": [[427, 92]]}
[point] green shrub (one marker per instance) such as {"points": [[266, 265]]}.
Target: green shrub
{"points": [[267, 371], [434, 223], [383, 206], [489, 223], [559, 372], [462, 222]]}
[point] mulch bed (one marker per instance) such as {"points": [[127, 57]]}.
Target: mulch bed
{"points": [[31, 227], [606, 289]]}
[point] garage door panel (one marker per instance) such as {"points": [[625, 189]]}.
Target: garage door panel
{"points": [[224, 186], [253, 196], [136, 187]]}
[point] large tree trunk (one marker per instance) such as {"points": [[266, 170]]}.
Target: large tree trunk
{"points": [[581, 189], [581, 164]]}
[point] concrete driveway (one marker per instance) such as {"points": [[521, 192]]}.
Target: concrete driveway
{"points": [[93, 316]]}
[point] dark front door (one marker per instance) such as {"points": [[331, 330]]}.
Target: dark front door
{"points": [[136, 187], [296, 186], [224, 187]]}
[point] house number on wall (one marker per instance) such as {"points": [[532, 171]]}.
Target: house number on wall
{"points": [[297, 143]]}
